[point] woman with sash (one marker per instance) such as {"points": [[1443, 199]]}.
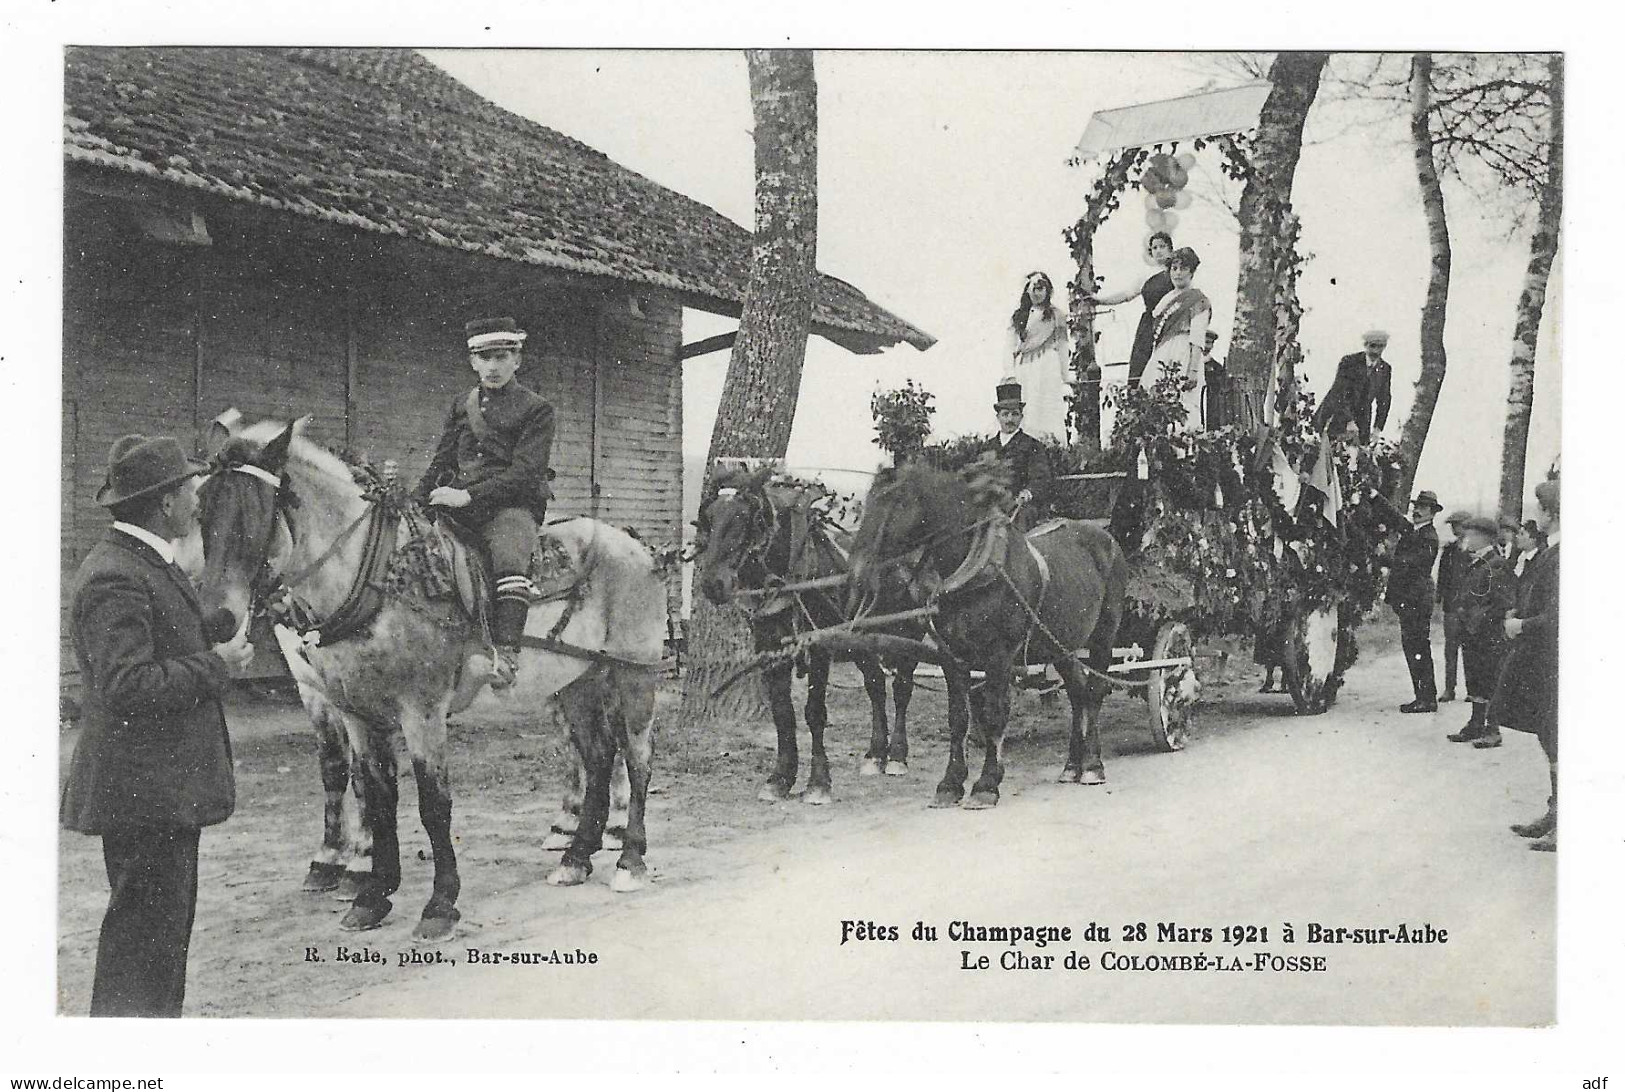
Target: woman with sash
{"points": [[1180, 324], [1160, 247], [1037, 342]]}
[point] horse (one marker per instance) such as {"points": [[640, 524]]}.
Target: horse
{"points": [[759, 529], [1044, 597], [277, 507]]}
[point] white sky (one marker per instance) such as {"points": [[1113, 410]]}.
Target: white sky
{"points": [[942, 181]]}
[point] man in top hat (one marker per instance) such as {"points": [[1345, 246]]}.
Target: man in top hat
{"points": [[1526, 695], [1484, 595], [1410, 593], [1452, 563], [491, 468], [1027, 459], [153, 764], [1362, 391]]}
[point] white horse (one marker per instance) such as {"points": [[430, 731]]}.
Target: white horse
{"points": [[278, 506]]}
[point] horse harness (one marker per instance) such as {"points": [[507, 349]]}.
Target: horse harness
{"points": [[367, 593]]}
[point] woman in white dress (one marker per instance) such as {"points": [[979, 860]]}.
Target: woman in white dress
{"points": [[1040, 359], [1181, 320]]}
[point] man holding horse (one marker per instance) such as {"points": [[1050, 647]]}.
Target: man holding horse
{"points": [[153, 765], [491, 468]]}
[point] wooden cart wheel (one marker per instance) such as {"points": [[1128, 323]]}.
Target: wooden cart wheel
{"points": [[1171, 692], [1310, 669]]}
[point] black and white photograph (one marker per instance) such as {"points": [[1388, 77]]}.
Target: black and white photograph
{"points": [[781, 534]]}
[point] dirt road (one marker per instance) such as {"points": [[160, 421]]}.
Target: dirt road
{"points": [[1360, 819]]}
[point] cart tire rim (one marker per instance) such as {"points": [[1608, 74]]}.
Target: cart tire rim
{"points": [[1173, 691]]}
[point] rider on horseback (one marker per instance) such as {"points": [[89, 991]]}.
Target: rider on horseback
{"points": [[492, 466]]}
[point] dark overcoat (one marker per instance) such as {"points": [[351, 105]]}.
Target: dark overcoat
{"points": [[1526, 696], [1410, 579], [1484, 596], [153, 751], [1361, 393], [506, 468]]}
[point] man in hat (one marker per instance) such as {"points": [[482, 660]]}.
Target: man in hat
{"points": [[1026, 458], [1213, 376], [1526, 696], [1362, 391], [153, 763], [1452, 563], [491, 468], [1484, 595], [1410, 593]]}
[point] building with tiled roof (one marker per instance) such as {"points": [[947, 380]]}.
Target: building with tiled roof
{"points": [[304, 231]]}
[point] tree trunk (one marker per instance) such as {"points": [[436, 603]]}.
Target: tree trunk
{"points": [[1294, 79], [1415, 432], [1531, 303], [764, 373]]}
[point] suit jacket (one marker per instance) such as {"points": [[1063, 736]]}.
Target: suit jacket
{"points": [[1484, 596], [1361, 392], [154, 750], [509, 467], [1452, 563], [1028, 461], [1410, 579]]}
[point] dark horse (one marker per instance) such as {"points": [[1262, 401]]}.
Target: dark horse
{"points": [[1052, 596], [761, 529], [417, 659]]}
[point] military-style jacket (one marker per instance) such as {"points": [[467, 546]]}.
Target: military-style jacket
{"points": [[506, 468], [154, 750], [1483, 596]]}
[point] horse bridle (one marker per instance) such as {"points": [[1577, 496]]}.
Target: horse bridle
{"points": [[266, 584]]}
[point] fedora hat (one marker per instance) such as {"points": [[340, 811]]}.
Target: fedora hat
{"points": [[1484, 525], [1008, 394], [493, 333], [1460, 515], [139, 465], [1428, 498]]}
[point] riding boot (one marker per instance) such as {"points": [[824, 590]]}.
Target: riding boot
{"points": [[507, 628], [1544, 830]]}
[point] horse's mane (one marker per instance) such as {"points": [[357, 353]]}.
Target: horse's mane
{"points": [[313, 456]]}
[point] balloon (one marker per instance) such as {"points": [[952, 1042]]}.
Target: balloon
{"points": [[1161, 221], [1182, 200], [1168, 199], [1187, 160]]}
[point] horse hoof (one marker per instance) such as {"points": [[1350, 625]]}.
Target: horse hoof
{"points": [[1069, 776], [351, 886], [870, 768], [435, 930], [323, 877], [897, 767], [612, 840], [569, 875], [982, 799], [1093, 777], [816, 794], [359, 919], [773, 793], [946, 799], [557, 840], [626, 881]]}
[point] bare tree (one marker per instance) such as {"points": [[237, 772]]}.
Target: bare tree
{"points": [[1265, 197], [764, 373], [1532, 301], [1415, 431]]}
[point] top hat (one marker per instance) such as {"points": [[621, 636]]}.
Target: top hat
{"points": [[493, 333], [1008, 394], [1429, 498], [140, 465]]}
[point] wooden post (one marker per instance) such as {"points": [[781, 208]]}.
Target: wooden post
{"points": [[596, 430]]}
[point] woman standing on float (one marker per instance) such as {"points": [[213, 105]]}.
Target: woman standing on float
{"points": [[1161, 248], [1037, 342], [1181, 320]]}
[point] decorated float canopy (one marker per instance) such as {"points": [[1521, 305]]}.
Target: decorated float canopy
{"points": [[1204, 114]]}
